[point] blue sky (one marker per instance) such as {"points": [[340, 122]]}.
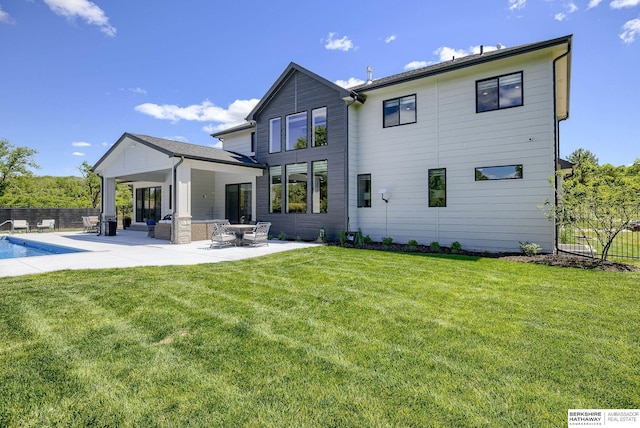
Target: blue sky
{"points": [[76, 74]]}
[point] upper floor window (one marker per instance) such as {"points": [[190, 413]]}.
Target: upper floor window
{"points": [[275, 135], [296, 133], [319, 127], [399, 111], [499, 92], [253, 142]]}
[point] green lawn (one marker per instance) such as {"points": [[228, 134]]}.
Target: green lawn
{"points": [[319, 337]]}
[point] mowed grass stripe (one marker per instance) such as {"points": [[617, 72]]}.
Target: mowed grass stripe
{"points": [[323, 336]]}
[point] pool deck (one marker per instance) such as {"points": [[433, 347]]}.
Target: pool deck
{"points": [[129, 248]]}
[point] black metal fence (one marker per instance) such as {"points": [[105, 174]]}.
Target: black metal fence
{"points": [[592, 233], [66, 218]]}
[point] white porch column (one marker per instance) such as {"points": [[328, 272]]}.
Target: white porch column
{"points": [[181, 227], [108, 201]]}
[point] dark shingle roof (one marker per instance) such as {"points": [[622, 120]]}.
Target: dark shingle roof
{"points": [[458, 63], [189, 151]]}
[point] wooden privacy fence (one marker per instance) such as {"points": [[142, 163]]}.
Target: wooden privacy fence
{"points": [[66, 218]]}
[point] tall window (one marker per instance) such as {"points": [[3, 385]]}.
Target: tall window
{"points": [[297, 188], [320, 187], [275, 189], [438, 187], [253, 142], [319, 126], [364, 190], [275, 135], [499, 92], [296, 133], [148, 204], [399, 111]]}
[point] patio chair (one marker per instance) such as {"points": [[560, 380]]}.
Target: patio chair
{"points": [[221, 235], [89, 224], [20, 225], [46, 224], [259, 236]]}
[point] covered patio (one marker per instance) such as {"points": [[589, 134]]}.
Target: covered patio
{"points": [[189, 186]]}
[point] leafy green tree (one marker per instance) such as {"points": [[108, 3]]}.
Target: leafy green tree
{"points": [[14, 162], [598, 201], [124, 199], [91, 182]]}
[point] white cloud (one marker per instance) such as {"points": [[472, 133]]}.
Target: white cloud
{"points": [[517, 4], [137, 90], [631, 30], [80, 144], [390, 39], [571, 7], [560, 17], [593, 3], [350, 83], [620, 4], [5, 18], [415, 64], [77, 154], [343, 44], [203, 112], [85, 10]]}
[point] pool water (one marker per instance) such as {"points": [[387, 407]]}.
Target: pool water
{"points": [[11, 247]]}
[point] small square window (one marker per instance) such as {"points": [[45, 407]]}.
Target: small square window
{"points": [[499, 92], [399, 111]]}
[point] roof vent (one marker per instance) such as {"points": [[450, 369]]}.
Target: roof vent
{"points": [[499, 46], [369, 75], [481, 49]]}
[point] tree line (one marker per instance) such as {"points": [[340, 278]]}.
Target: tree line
{"points": [[21, 188]]}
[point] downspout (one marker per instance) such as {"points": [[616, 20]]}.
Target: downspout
{"points": [[347, 180], [556, 136], [101, 224], [175, 200]]}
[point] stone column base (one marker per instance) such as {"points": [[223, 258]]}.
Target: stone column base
{"points": [[181, 230]]}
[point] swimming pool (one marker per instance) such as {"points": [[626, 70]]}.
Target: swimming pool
{"points": [[12, 247]]}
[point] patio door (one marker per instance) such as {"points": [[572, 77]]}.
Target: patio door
{"points": [[238, 203]]}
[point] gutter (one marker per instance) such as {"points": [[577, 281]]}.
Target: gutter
{"points": [[355, 98], [556, 134]]}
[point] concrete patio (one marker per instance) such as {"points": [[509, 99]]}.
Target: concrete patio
{"points": [[129, 248]]}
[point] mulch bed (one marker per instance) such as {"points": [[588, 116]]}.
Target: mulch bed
{"points": [[560, 259]]}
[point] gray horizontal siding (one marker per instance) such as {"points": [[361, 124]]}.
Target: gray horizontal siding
{"points": [[297, 94]]}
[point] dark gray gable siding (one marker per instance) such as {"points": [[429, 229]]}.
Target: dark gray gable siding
{"points": [[300, 92]]}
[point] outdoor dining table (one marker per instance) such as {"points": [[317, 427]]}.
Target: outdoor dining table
{"points": [[239, 230]]}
